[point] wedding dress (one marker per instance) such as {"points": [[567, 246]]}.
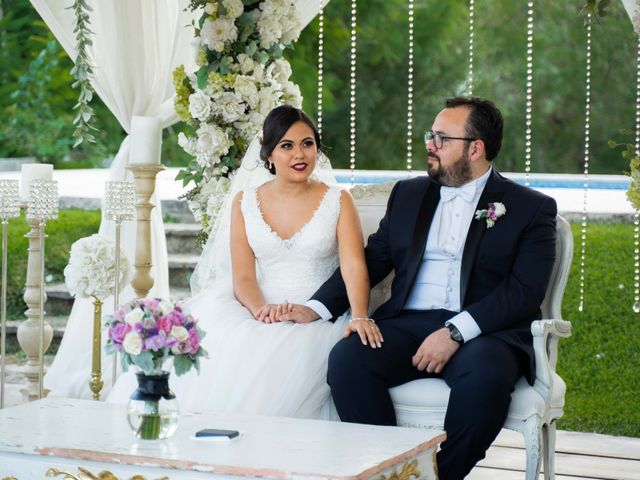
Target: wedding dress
{"points": [[257, 368]]}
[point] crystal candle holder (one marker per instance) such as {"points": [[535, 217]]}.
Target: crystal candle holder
{"points": [[9, 208], [120, 201], [119, 206], [9, 199], [43, 202]]}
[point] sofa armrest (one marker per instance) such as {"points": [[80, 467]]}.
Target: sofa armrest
{"points": [[546, 334]]}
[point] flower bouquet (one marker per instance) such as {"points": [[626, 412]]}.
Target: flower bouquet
{"points": [[241, 76], [147, 332]]}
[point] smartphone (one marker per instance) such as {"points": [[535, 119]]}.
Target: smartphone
{"points": [[217, 433]]}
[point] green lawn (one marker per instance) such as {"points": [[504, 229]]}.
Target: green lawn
{"points": [[600, 362]]}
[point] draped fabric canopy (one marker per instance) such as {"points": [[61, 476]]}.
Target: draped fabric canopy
{"points": [[136, 46]]}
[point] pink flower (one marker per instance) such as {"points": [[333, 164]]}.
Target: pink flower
{"points": [[194, 340], [164, 323]]}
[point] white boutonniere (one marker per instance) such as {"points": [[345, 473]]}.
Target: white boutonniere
{"points": [[491, 214]]}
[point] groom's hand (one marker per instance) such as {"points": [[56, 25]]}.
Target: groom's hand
{"points": [[299, 314], [435, 351]]}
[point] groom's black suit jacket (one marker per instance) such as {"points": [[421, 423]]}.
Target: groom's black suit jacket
{"points": [[505, 269]]}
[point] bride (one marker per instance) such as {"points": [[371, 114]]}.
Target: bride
{"points": [[287, 236]]}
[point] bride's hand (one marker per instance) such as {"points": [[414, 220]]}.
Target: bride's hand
{"points": [[368, 331], [272, 313]]}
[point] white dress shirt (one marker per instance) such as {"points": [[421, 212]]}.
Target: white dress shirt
{"points": [[437, 283]]}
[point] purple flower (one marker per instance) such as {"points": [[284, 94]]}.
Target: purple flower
{"points": [[118, 331], [157, 342]]}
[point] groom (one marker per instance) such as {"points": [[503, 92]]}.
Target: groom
{"points": [[465, 289]]}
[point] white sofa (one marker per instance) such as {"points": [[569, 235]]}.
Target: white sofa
{"points": [[534, 409]]}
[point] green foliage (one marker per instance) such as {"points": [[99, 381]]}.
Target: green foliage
{"points": [[601, 360], [71, 225], [82, 71], [441, 58]]}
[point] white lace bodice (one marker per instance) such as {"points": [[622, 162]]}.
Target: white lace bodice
{"points": [[293, 269]]}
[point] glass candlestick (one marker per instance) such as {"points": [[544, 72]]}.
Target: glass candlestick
{"points": [[120, 205], [9, 208]]}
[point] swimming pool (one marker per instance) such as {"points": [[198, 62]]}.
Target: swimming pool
{"points": [[539, 180]]}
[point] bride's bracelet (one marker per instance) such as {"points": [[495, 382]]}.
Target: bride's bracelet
{"points": [[362, 318]]}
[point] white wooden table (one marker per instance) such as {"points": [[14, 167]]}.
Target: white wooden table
{"points": [[70, 435]]}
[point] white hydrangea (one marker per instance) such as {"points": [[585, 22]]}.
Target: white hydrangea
{"points": [[291, 94], [215, 34], [216, 198], [246, 63], [245, 88], [211, 8], [234, 8], [268, 99], [249, 125], [91, 271], [280, 70], [200, 105], [229, 106]]}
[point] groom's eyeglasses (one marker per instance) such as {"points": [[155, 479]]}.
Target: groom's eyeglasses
{"points": [[438, 139]]}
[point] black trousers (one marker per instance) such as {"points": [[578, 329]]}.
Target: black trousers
{"points": [[481, 375]]}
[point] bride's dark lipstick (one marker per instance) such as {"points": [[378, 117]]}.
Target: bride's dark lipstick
{"points": [[300, 167]]}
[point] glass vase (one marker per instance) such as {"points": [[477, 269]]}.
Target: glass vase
{"points": [[152, 411]]}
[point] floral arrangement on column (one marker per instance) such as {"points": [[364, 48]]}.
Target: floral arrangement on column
{"points": [[91, 272], [242, 75]]}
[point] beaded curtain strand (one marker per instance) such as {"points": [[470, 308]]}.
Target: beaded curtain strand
{"points": [[410, 92], [529, 95], [471, 38], [587, 131], [636, 216], [352, 95], [320, 65]]}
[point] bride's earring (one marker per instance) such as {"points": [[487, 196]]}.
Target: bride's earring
{"points": [[321, 158], [270, 165]]}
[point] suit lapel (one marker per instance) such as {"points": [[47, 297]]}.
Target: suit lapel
{"points": [[419, 241], [492, 192]]}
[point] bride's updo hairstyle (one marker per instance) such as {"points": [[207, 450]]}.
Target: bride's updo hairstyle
{"points": [[276, 125]]}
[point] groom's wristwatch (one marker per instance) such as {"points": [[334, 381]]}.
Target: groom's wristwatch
{"points": [[456, 336]]}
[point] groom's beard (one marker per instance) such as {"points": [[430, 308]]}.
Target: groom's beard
{"points": [[454, 175]]}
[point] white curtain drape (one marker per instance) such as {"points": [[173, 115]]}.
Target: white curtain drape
{"points": [[136, 46]]}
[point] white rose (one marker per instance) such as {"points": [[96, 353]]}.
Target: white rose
{"points": [[229, 106], [179, 333], [245, 87], [212, 141], [199, 105], [134, 316], [132, 343], [499, 209], [188, 144], [165, 306], [234, 8]]}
